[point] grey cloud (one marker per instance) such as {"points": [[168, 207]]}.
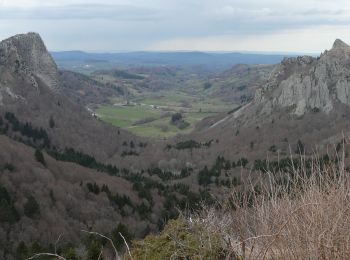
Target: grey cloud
{"points": [[80, 12], [135, 25]]}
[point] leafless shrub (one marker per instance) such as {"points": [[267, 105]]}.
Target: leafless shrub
{"points": [[305, 218]]}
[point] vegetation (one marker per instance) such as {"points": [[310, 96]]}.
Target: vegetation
{"points": [[51, 122], [118, 240], [303, 216], [167, 175], [36, 136], [185, 239], [155, 114], [207, 176], [7, 166], [189, 144], [8, 212], [300, 148], [176, 117], [31, 207], [40, 157], [290, 174], [126, 75]]}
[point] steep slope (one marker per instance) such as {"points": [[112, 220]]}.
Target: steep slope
{"points": [[65, 204], [239, 83], [28, 56], [85, 91], [30, 87]]}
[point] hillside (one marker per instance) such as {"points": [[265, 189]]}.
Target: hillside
{"points": [[31, 88], [239, 83], [85, 91]]}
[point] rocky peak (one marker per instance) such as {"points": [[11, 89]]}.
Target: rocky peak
{"points": [[339, 44], [306, 84], [27, 54]]}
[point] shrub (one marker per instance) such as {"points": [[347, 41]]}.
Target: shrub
{"points": [[8, 166], [242, 162], [51, 122], [176, 118], [188, 240], [40, 157], [207, 85], [94, 250], [8, 212], [190, 144], [273, 148], [301, 215]]}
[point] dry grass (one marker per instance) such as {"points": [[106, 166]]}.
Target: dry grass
{"points": [[307, 218]]}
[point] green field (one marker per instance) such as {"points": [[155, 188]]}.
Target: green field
{"points": [[157, 108]]}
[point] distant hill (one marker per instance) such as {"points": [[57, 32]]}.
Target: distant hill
{"points": [[239, 83], [78, 60]]}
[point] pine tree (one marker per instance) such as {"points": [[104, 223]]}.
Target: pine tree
{"points": [[31, 207], [21, 251], [51, 122], [94, 251], [71, 254], [40, 157], [118, 241]]}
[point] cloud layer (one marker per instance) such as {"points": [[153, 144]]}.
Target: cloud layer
{"points": [[261, 25]]}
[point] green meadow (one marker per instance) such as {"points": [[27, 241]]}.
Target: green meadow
{"points": [[150, 114]]}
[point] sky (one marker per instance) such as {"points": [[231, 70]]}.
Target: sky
{"points": [[301, 26]]}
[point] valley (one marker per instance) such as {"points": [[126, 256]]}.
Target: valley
{"points": [[150, 114], [146, 98], [146, 147]]}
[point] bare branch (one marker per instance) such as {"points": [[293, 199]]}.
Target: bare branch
{"points": [[126, 244], [58, 239], [46, 254], [99, 256]]}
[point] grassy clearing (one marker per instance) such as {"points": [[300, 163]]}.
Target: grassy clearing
{"points": [[125, 116]]}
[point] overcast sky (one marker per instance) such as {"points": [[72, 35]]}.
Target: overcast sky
{"points": [[213, 25]]}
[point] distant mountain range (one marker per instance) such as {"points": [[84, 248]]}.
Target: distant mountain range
{"points": [[209, 60]]}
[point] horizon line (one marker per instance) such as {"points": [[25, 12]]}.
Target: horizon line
{"points": [[188, 51]]}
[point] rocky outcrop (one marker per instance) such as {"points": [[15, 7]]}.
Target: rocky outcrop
{"points": [[305, 83], [26, 56]]}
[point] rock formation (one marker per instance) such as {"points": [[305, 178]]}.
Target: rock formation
{"points": [[306, 83], [25, 56]]}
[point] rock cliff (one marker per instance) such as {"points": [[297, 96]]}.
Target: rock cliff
{"points": [[25, 56], [306, 83]]}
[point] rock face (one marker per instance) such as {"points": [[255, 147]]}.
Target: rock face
{"points": [[305, 83], [25, 56], [31, 88]]}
